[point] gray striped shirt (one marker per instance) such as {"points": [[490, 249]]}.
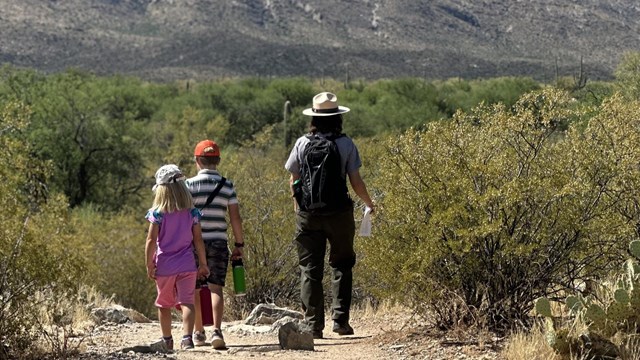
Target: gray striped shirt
{"points": [[213, 221]]}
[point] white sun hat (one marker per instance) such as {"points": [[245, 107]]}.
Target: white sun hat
{"points": [[167, 174], [325, 104]]}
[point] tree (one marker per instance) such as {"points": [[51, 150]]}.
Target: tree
{"points": [[92, 130]]}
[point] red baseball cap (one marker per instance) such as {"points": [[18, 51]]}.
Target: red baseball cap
{"points": [[207, 148]]}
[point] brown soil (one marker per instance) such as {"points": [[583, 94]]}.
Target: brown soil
{"points": [[383, 335]]}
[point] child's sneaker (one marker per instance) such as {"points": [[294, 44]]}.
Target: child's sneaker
{"points": [[199, 338], [217, 340], [186, 343], [162, 346]]}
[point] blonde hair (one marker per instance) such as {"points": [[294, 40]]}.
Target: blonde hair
{"points": [[174, 196]]}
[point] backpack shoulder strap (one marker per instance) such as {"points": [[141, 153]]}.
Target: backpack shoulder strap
{"points": [[214, 193]]}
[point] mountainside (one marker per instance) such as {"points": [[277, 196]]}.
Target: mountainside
{"points": [[176, 39]]}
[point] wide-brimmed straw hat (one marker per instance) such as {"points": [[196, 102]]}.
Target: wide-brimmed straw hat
{"points": [[325, 104]]}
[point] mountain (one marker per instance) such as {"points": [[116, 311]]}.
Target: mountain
{"points": [[204, 39]]}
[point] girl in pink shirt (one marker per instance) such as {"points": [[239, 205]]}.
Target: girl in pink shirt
{"points": [[174, 231]]}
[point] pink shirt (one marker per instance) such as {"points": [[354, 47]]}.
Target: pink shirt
{"points": [[174, 247]]}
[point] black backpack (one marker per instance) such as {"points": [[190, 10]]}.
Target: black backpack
{"points": [[323, 187]]}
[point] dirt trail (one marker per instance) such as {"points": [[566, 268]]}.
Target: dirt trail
{"points": [[377, 336]]}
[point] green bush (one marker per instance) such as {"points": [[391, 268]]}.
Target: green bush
{"points": [[497, 207]]}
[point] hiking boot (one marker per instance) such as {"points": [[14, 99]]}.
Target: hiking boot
{"points": [[317, 334], [342, 329], [199, 338], [186, 343], [162, 346], [217, 340]]}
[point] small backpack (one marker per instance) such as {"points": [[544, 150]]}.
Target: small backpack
{"points": [[323, 187]]}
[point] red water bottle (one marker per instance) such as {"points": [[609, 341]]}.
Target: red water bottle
{"points": [[206, 308]]}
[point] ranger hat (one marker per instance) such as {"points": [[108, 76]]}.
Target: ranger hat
{"points": [[325, 104]]}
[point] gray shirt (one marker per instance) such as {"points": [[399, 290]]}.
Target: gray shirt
{"points": [[349, 156]]}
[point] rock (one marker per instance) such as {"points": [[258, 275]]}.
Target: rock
{"points": [[269, 314], [295, 335], [278, 324], [136, 317], [243, 330], [117, 314]]}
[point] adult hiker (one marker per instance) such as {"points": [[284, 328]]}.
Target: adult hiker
{"points": [[319, 163], [214, 196]]}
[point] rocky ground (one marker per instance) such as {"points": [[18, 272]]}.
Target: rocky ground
{"points": [[390, 334]]}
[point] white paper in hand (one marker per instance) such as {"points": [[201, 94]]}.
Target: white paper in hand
{"points": [[365, 225]]}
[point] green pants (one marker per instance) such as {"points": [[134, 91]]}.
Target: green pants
{"points": [[312, 233]]}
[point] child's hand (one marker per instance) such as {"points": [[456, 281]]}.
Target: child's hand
{"points": [[203, 272], [151, 272], [236, 253]]}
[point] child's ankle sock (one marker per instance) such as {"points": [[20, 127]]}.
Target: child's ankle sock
{"points": [[167, 338], [184, 337]]}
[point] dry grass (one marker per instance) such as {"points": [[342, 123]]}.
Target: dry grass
{"points": [[387, 315], [65, 321], [630, 349], [88, 299], [530, 345], [367, 309]]}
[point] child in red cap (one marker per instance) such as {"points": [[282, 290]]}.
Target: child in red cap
{"points": [[214, 226]]}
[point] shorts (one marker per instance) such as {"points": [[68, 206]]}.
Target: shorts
{"points": [[175, 289], [217, 261]]}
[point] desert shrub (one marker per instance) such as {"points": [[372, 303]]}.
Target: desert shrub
{"points": [[460, 94], [388, 105], [179, 134], [497, 207], [38, 252], [270, 257], [627, 75], [116, 253]]}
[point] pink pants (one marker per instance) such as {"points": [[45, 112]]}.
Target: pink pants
{"points": [[176, 289]]}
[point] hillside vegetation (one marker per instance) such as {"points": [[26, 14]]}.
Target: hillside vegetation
{"points": [[491, 192], [204, 39]]}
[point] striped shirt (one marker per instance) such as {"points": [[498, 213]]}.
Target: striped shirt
{"points": [[213, 221]]}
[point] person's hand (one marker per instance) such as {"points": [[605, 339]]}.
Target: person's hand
{"points": [[236, 253], [372, 206], [203, 271], [151, 272]]}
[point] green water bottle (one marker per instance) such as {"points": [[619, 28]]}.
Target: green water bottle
{"points": [[297, 191], [238, 277]]}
